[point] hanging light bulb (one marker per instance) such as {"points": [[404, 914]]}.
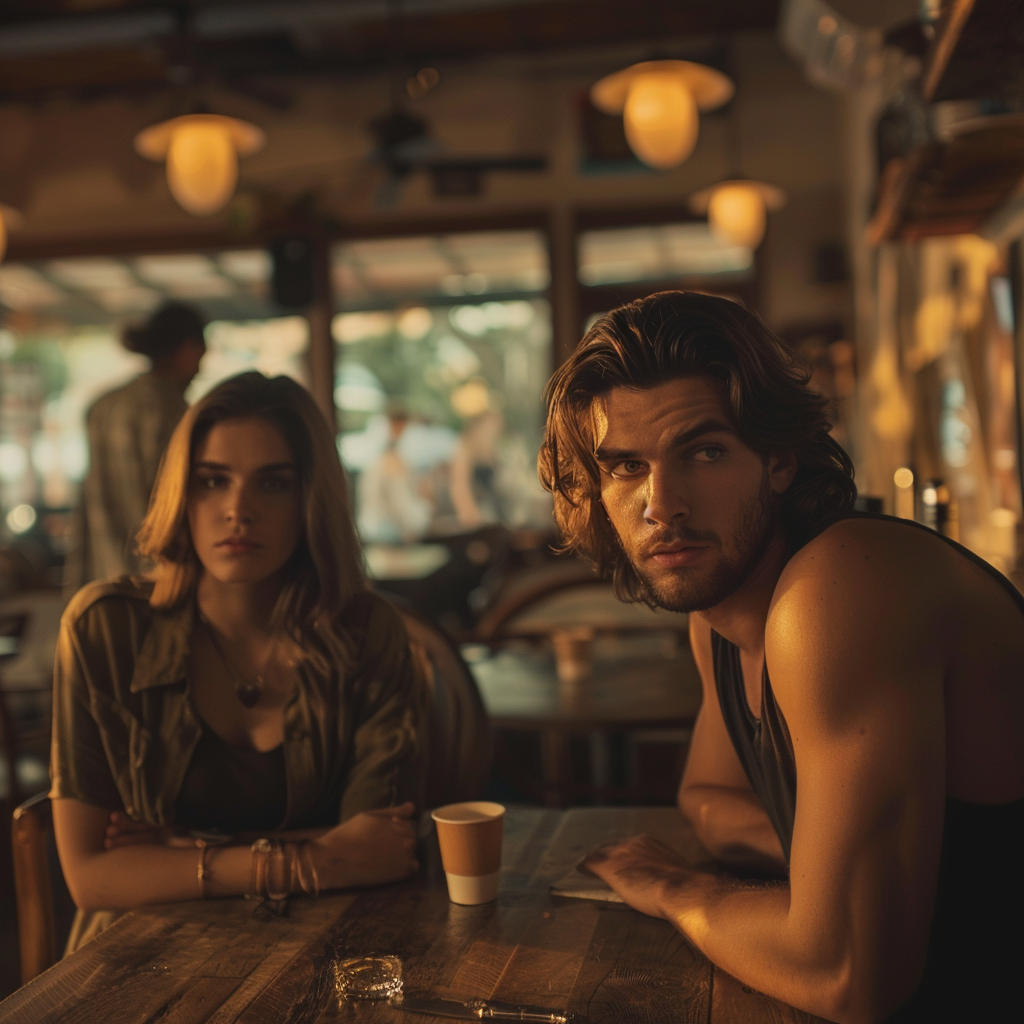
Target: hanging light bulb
{"points": [[736, 214], [9, 218], [660, 118], [202, 153], [659, 100], [737, 210]]}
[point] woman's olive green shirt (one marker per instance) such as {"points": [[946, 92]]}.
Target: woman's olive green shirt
{"points": [[125, 729]]}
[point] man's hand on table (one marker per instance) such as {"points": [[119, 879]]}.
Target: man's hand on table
{"points": [[643, 871]]}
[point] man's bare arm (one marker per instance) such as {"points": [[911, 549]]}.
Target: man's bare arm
{"points": [[847, 937], [715, 794]]}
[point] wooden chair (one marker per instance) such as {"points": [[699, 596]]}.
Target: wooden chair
{"points": [[31, 826], [459, 740], [542, 605], [524, 590]]}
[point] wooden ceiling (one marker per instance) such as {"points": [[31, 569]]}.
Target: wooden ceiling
{"points": [[297, 37]]}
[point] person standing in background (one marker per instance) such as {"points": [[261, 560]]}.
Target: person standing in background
{"points": [[128, 429]]}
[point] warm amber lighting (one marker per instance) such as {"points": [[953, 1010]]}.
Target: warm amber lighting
{"points": [[737, 210], [660, 119], [736, 214], [659, 100], [202, 168], [903, 478], [202, 153]]}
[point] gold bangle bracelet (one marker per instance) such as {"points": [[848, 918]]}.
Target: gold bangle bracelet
{"points": [[306, 850], [201, 869], [276, 888]]}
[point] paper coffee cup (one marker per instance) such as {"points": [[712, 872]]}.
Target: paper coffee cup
{"points": [[573, 658], [469, 835]]}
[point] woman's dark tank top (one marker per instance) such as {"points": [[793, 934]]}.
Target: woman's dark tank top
{"points": [[975, 949], [228, 789]]}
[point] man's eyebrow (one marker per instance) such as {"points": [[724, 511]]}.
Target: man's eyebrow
{"points": [[272, 467], [708, 426]]}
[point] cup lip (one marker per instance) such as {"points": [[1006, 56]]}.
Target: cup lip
{"points": [[492, 810]]}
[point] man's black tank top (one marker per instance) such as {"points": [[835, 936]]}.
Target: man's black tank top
{"points": [[975, 948]]}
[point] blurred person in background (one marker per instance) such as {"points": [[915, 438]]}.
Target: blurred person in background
{"points": [[474, 471], [128, 430], [393, 508]]}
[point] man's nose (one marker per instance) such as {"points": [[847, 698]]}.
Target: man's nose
{"points": [[665, 501]]}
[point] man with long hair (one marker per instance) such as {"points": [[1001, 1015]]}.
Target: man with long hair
{"points": [[860, 747]]}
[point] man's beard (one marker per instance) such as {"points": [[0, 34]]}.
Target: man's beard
{"points": [[697, 589]]}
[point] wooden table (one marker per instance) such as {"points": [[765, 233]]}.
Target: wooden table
{"points": [[631, 692], [192, 963]]}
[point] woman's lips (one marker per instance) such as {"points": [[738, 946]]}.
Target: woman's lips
{"points": [[679, 557], [237, 546]]}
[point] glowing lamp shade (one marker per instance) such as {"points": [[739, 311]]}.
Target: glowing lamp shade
{"points": [[202, 153], [737, 210], [659, 100], [736, 214], [660, 119]]}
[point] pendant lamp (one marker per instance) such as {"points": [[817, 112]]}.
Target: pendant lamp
{"points": [[659, 101], [9, 218], [201, 151], [737, 209]]}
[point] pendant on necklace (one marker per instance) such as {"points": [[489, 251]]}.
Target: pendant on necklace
{"points": [[248, 693]]}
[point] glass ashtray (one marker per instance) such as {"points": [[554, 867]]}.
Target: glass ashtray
{"points": [[368, 977]]}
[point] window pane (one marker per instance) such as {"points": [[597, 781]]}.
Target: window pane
{"points": [[60, 350], [443, 347], [658, 253]]}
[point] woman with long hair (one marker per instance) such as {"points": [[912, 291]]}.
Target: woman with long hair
{"points": [[247, 719]]}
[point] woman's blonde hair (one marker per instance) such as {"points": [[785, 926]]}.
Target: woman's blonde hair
{"points": [[325, 573]]}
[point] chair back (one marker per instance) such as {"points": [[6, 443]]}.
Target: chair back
{"points": [[540, 606], [526, 589], [459, 741], [31, 826]]}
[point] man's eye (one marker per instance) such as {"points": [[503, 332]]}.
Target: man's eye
{"points": [[709, 454], [628, 467]]}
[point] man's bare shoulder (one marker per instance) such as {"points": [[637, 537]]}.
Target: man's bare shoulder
{"points": [[878, 554], [864, 592]]}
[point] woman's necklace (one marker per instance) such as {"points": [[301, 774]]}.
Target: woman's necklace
{"points": [[247, 692]]}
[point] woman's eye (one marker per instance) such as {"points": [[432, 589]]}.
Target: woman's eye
{"points": [[275, 484], [209, 483]]}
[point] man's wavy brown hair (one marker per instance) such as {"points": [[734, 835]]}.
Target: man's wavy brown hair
{"points": [[681, 334]]}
